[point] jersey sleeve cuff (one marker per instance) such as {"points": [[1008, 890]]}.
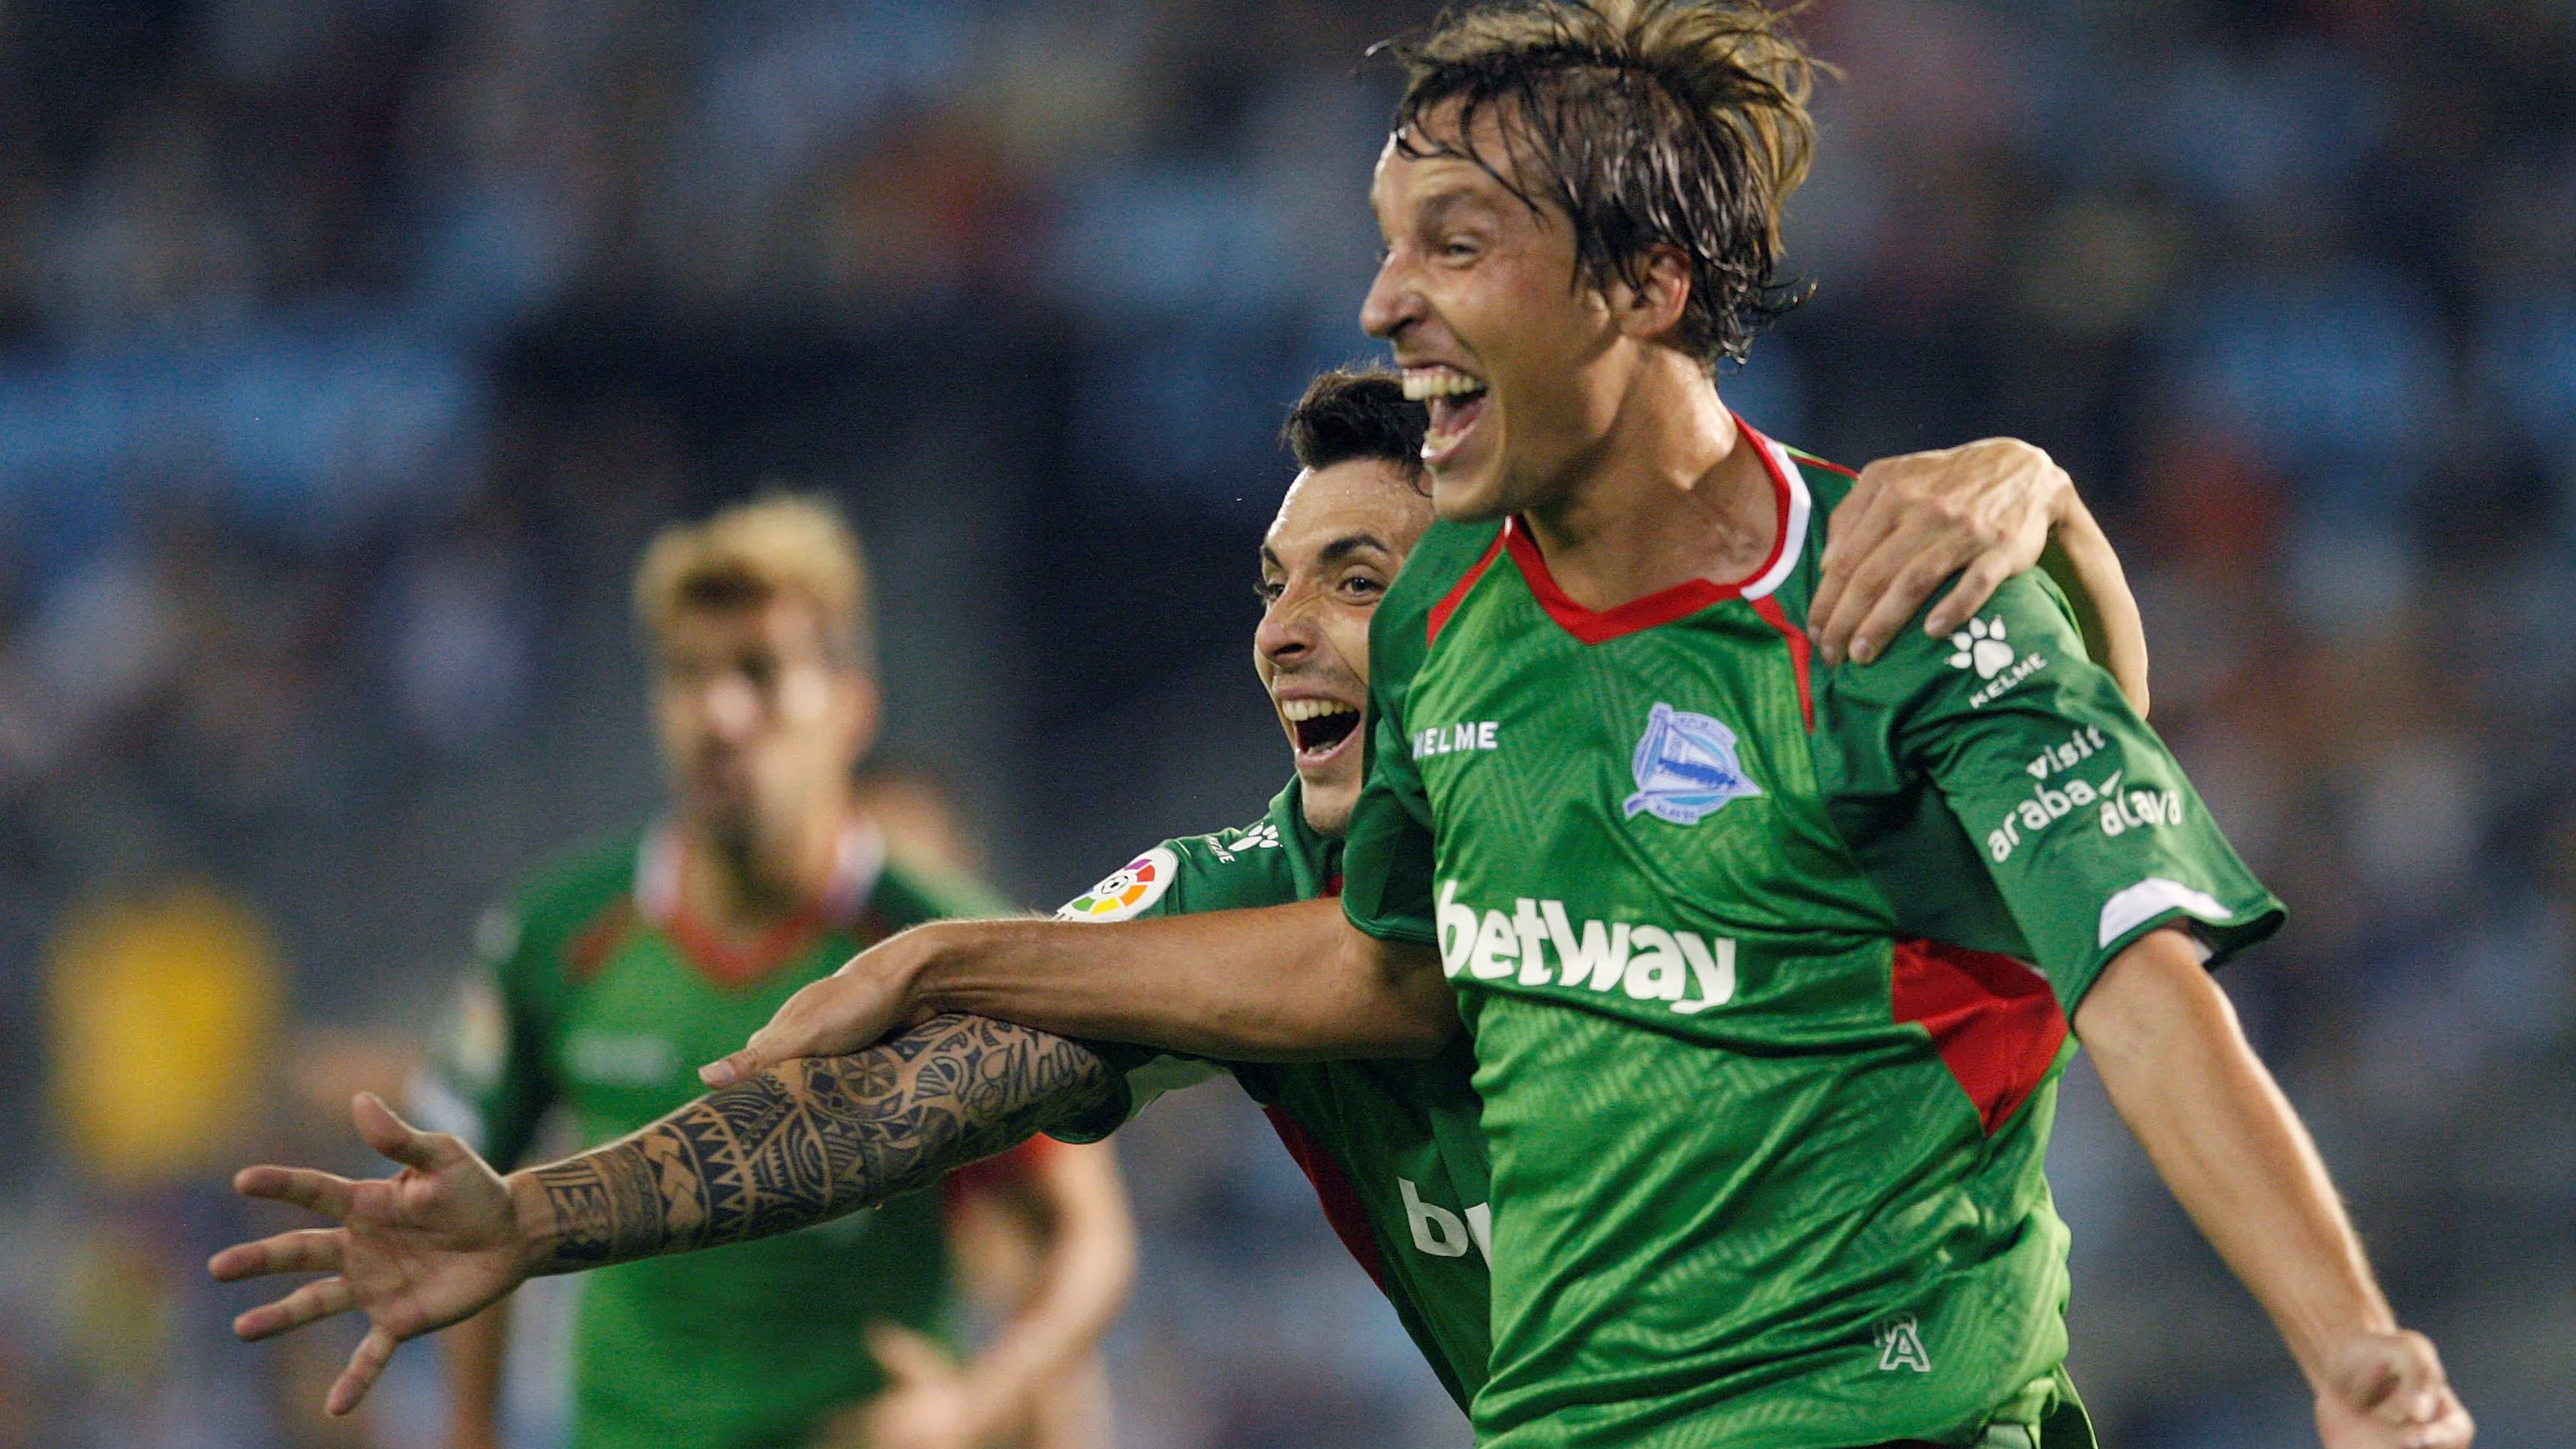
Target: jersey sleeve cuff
{"points": [[1408, 929], [2157, 902], [1138, 1075]]}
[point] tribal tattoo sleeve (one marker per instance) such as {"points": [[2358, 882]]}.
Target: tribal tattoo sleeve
{"points": [[816, 1138]]}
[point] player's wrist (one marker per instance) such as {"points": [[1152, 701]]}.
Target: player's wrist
{"points": [[2328, 1348], [534, 1232], [923, 978]]}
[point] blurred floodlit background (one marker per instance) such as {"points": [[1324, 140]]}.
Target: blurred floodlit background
{"points": [[350, 349]]}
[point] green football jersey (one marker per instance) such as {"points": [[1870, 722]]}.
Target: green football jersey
{"points": [[1768, 968], [1392, 1147], [599, 992]]}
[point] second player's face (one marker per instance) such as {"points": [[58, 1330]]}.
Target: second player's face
{"points": [[1341, 534], [1522, 363], [757, 724]]}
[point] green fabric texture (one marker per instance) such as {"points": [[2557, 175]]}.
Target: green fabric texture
{"points": [[1768, 1011], [582, 1002], [1403, 1148]]}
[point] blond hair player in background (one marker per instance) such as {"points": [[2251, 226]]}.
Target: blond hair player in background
{"points": [[623, 965]]}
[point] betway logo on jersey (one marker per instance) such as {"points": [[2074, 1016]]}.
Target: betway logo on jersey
{"points": [[1445, 1234], [1538, 944]]}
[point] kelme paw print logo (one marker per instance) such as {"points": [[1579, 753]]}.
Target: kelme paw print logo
{"points": [[1981, 645]]}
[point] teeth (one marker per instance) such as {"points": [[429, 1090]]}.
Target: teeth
{"points": [[1424, 383], [1297, 710]]}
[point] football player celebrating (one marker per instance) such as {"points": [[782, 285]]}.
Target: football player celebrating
{"points": [[1769, 962], [1394, 1146]]}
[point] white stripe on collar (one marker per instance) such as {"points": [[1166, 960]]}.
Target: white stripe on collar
{"points": [[858, 863], [1793, 528]]}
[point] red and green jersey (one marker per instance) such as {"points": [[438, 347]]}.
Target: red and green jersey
{"points": [[1768, 968], [1392, 1147], [600, 993]]}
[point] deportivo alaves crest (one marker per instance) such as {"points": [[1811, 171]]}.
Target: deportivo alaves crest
{"points": [[1685, 767]]}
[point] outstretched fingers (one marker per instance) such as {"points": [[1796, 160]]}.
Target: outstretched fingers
{"points": [[397, 1139], [366, 1365], [308, 1250], [320, 1192], [311, 1303]]}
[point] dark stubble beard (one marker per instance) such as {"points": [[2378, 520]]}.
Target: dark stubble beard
{"points": [[737, 844]]}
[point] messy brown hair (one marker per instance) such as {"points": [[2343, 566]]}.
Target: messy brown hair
{"points": [[1651, 123]]}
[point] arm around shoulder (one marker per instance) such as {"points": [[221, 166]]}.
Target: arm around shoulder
{"points": [[1281, 983]]}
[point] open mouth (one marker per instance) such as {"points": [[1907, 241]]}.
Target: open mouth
{"points": [[1457, 400], [1321, 726]]}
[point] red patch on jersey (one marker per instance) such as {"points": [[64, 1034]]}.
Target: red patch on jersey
{"points": [[734, 967], [1993, 1019], [586, 954], [1769, 608], [1457, 594], [1342, 1207]]}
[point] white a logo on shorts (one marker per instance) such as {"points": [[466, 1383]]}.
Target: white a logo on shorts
{"points": [[1900, 1346]]}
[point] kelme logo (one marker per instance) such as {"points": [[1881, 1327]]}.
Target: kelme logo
{"points": [[1685, 767], [1981, 647]]}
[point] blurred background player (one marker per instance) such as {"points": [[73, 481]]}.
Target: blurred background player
{"points": [[606, 980]]}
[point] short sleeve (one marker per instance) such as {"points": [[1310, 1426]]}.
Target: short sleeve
{"points": [[2080, 815], [1388, 856], [485, 1078], [1155, 883]]}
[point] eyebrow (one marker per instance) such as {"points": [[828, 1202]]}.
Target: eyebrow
{"points": [[1348, 544], [1438, 207]]}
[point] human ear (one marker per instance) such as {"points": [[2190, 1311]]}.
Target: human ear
{"points": [[1651, 305]]}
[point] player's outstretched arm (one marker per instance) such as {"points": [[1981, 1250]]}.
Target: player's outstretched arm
{"points": [[785, 1149], [2232, 1149], [1985, 511], [1281, 983]]}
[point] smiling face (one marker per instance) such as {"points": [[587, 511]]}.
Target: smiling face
{"points": [[1524, 365], [1341, 534]]}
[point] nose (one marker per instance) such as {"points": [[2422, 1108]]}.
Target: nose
{"points": [[1286, 634], [1393, 302], [731, 707]]}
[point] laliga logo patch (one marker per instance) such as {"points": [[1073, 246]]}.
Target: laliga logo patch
{"points": [[1685, 768], [1126, 892]]}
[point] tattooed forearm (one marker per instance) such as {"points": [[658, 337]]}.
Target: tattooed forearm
{"points": [[814, 1139]]}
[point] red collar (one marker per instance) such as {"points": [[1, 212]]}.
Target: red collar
{"points": [[858, 862], [1688, 597]]}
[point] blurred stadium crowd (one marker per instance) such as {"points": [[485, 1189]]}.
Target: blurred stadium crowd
{"points": [[349, 351]]}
